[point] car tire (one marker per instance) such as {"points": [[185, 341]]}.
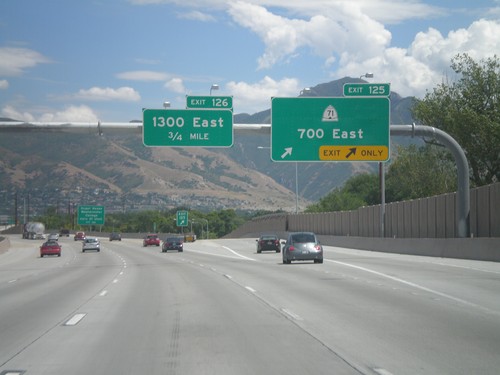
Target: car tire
{"points": [[318, 260], [259, 251], [41, 255], [58, 255]]}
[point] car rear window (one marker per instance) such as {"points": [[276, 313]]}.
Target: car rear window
{"points": [[269, 238], [303, 238]]}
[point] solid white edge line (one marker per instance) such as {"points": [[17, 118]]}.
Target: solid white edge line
{"points": [[237, 254], [291, 314], [417, 286]]}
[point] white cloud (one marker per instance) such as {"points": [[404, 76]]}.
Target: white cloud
{"points": [[176, 85], [101, 94], [71, 114], [256, 97], [340, 30], [426, 62], [143, 75], [10, 112], [80, 113], [13, 61], [4, 84], [197, 16]]}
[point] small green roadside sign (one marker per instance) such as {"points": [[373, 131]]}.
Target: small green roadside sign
{"points": [[182, 218], [207, 102], [330, 129], [367, 89], [90, 215], [185, 128]]}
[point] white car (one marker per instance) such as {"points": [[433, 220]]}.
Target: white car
{"points": [[91, 243], [53, 237]]}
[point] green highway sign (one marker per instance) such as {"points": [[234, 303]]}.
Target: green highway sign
{"points": [[330, 129], [182, 218], [185, 127], [207, 102], [367, 89], [90, 215]]}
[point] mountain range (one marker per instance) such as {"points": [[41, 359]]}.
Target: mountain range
{"points": [[59, 168]]}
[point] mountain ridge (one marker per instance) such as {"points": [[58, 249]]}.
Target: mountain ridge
{"points": [[79, 168]]}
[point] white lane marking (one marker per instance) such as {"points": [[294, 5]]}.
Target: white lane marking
{"points": [[75, 319], [12, 281], [417, 286], [291, 314], [237, 254], [115, 281], [250, 289], [228, 277], [103, 293], [382, 371]]}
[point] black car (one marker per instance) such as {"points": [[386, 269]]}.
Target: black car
{"points": [[115, 236], [173, 243], [268, 242], [302, 246]]}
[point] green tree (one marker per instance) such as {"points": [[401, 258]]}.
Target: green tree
{"points": [[360, 190], [418, 172], [469, 110]]}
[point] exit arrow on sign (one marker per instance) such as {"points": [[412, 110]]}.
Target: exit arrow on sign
{"points": [[354, 153]]}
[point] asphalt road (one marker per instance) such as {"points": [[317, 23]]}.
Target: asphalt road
{"points": [[221, 308]]}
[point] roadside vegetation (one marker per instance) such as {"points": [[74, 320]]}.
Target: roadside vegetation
{"points": [[468, 110]]}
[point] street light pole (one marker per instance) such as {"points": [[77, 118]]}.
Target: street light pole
{"points": [[214, 87], [207, 225], [296, 188]]}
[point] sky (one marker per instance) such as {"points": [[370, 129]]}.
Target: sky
{"points": [[106, 60]]}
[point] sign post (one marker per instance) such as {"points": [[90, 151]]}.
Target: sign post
{"points": [[330, 129], [90, 215], [185, 128]]}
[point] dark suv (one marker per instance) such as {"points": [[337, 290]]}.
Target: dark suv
{"points": [[115, 236]]}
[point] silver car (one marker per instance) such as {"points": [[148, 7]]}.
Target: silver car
{"points": [[91, 243], [302, 246]]}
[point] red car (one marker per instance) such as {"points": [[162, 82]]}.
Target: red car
{"points": [[50, 248], [79, 236], [151, 240]]}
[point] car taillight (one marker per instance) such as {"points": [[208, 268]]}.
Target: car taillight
{"points": [[317, 247], [291, 248]]}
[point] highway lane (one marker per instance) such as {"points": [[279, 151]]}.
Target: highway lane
{"points": [[221, 308]]}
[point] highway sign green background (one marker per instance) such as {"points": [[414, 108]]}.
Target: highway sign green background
{"points": [[301, 126], [188, 127], [90, 215], [367, 89], [206, 102], [182, 218]]}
